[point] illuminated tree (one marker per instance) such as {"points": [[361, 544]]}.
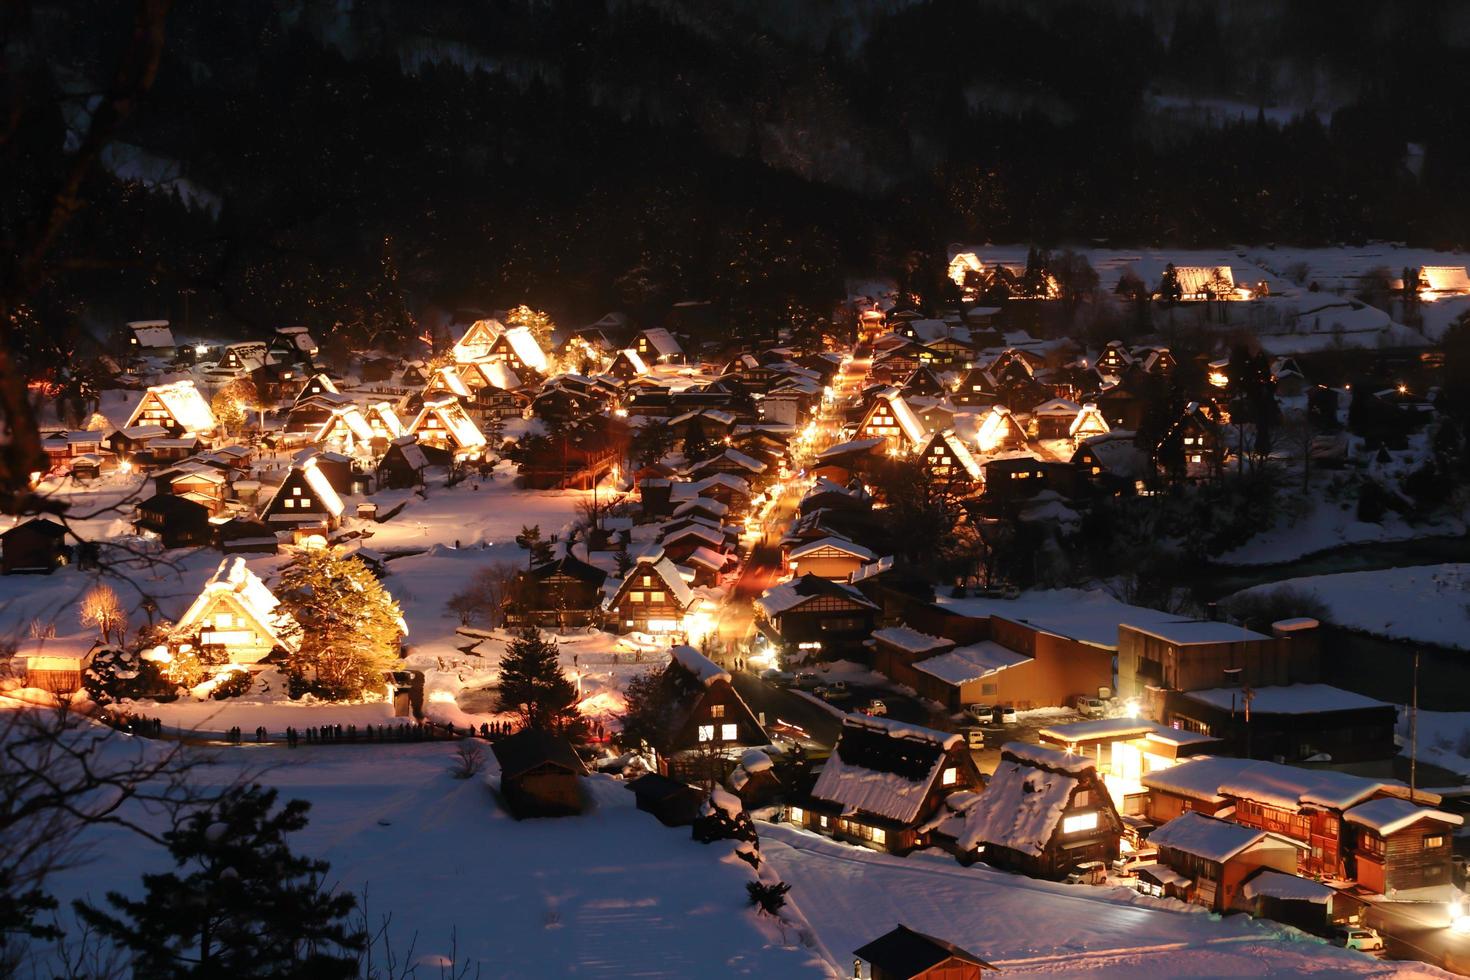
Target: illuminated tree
{"points": [[102, 609], [228, 410], [348, 630]]}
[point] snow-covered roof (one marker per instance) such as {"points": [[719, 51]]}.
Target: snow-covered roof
{"points": [[704, 532], [1205, 837], [1390, 814], [387, 417], [663, 342], [349, 417], [913, 429], [712, 560], [1097, 729], [1215, 779], [703, 669], [1060, 407], [668, 572], [1276, 884], [851, 446], [1290, 699], [182, 401], [837, 544], [823, 485], [872, 568], [911, 640], [413, 453], [883, 767], [1090, 419], [748, 463], [1022, 803], [694, 504], [152, 333], [959, 450], [316, 480], [788, 595], [477, 340], [447, 378], [970, 663], [1184, 632], [455, 421], [997, 425], [634, 359], [523, 342], [235, 578]]}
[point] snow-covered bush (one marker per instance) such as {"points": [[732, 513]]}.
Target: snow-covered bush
{"points": [[723, 817], [233, 684], [116, 675]]}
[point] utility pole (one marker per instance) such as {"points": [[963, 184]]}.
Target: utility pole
{"points": [[1414, 736]]}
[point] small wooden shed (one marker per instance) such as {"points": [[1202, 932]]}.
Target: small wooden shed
{"points": [[540, 775]]}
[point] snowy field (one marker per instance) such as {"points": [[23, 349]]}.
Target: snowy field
{"points": [[1444, 738], [1422, 603], [612, 893], [852, 895]]}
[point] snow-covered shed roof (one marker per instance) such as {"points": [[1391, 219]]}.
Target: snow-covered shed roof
{"points": [[1059, 407], [1289, 699], [1276, 884], [883, 767], [708, 558], [970, 663], [1390, 814], [700, 667], [1024, 799], [911, 640], [1208, 838]]}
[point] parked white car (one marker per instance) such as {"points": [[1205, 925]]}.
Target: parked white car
{"points": [[1361, 938]]}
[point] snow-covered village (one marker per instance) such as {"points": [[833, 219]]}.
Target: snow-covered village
{"points": [[587, 564]]}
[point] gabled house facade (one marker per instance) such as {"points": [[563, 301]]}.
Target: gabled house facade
{"points": [[652, 598], [305, 499], [237, 615]]}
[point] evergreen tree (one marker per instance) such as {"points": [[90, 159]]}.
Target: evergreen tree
{"points": [[538, 551], [533, 685], [1170, 290], [349, 627], [238, 904], [651, 703], [624, 559]]}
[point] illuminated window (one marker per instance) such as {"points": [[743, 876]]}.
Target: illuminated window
{"points": [[295, 491], [798, 815], [880, 836], [1082, 798], [289, 502], [1435, 841], [223, 621], [823, 821], [717, 711], [635, 596], [728, 733], [1079, 822], [706, 733], [648, 580], [655, 597], [950, 776]]}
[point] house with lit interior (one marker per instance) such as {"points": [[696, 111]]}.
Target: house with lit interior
{"points": [[709, 712], [444, 424], [891, 419], [1042, 813], [652, 598], [477, 341], [883, 782], [177, 407], [518, 350], [815, 616], [305, 500], [237, 616]]}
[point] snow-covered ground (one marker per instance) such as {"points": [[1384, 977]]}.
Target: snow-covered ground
{"points": [[1444, 738], [1422, 603], [852, 895], [1328, 524], [612, 893]]}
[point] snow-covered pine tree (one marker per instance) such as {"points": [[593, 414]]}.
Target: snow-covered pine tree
{"points": [[238, 904], [349, 626], [533, 685]]}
